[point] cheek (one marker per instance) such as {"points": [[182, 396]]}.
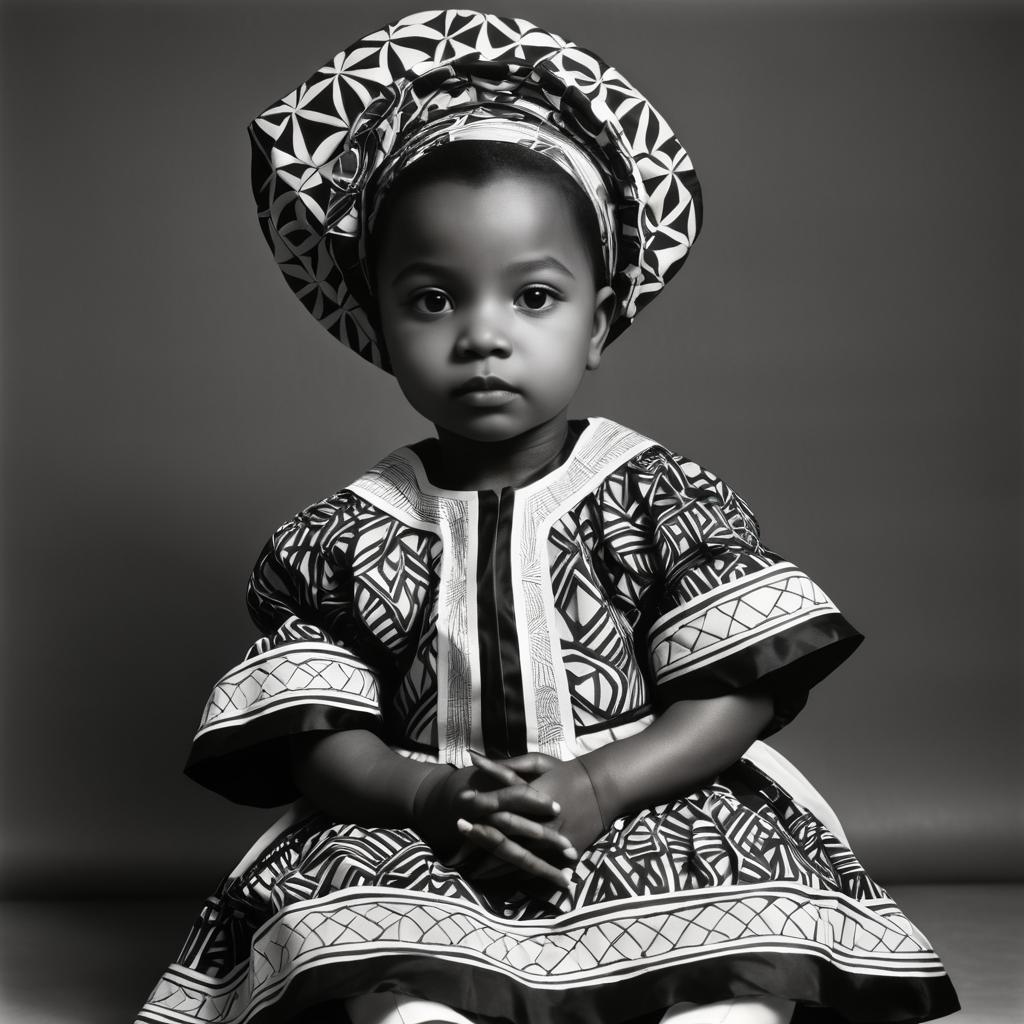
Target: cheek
{"points": [[402, 344], [420, 373], [569, 345]]}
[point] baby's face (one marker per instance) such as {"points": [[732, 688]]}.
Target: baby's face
{"points": [[488, 305]]}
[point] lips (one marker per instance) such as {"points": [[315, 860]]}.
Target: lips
{"points": [[488, 383]]}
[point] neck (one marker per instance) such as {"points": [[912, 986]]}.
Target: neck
{"points": [[469, 465]]}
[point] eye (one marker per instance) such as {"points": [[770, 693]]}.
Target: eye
{"points": [[432, 301], [536, 297]]}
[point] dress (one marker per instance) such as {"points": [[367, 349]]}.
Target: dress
{"points": [[554, 617]]}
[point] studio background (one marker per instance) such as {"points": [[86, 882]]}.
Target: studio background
{"points": [[843, 347]]}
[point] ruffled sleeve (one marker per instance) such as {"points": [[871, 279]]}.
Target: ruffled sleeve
{"points": [[312, 670], [732, 615]]}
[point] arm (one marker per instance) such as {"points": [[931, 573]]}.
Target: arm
{"points": [[354, 776], [686, 747], [705, 556]]}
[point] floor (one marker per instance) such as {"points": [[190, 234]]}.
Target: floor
{"points": [[111, 954]]}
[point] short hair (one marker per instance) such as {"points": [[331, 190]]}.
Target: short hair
{"points": [[479, 162]]}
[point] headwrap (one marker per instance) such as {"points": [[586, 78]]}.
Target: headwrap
{"points": [[325, 154]]}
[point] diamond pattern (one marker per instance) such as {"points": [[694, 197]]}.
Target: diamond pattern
{"points": [[267, 681], [731, 617], [657, 920]]}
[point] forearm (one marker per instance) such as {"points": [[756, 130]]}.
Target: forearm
{"points": [[686, 746], [355, 777]]}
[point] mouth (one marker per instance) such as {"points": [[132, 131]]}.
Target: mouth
{"points": [[484, 385]]}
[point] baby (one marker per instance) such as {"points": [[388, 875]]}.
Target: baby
{"points": [[515, 675]]}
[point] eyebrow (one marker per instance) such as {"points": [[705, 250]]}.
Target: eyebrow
{"points": [[541, 263], [420, 267], [519, 267]]}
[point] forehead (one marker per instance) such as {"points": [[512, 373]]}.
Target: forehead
{"points": [[478, 223]]}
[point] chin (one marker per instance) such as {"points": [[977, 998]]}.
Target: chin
{"points": [[492, 427], [493, 432]]}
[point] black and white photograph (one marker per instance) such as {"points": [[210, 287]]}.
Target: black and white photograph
{"points": [[512, 515]]}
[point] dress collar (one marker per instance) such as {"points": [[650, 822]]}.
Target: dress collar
{"points": [[399, 482]]}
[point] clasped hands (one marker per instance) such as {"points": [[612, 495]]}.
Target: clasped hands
{"points": [[531, 814]]}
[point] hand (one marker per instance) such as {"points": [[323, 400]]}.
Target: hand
{"points": [[514, 841], [502, 819], [569, 784], [448, 796]]}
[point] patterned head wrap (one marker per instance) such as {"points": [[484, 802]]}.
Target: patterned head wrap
{"points": [[325, 154]]}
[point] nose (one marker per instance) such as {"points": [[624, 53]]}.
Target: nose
{"points": [[481, 336]]}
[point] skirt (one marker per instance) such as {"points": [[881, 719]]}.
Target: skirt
{"points": [[746, 887]]}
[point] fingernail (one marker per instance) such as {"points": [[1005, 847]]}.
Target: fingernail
{"points": [[556, 807], [567, 874], [570, 852], [463, 826], [467, 794]]}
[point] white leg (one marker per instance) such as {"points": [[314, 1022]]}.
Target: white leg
{"points": [[385, 1008], [764, 1010]]}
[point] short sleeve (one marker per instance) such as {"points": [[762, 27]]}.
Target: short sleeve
{"points": [[732, 615], [311, 670]]}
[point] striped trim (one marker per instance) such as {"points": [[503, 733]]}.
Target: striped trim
{"points": [[616, 941], [300, 673], [732, 617], [600, 450], [501, 686], [398, 486]]}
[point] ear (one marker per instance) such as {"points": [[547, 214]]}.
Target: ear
{"points": [[604, 305]]}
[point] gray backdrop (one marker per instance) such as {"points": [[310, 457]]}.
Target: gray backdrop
{"points": [[843, 347]]}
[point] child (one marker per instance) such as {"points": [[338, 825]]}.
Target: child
{"points": [[517, 673]]}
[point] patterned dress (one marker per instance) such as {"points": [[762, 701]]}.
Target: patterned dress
{"points": [[555, 617]]}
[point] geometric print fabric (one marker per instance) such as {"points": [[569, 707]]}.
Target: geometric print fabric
{"points": [[731, 617], [350, 594], [735, 868], [346, 594], [299, 672], [597, 646], [319, 152]]}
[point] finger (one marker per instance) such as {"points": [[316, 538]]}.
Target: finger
{"points": [[532, 765], [505, 849], [520, 799], [514, 826], [496, 770]]}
